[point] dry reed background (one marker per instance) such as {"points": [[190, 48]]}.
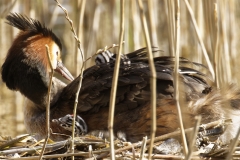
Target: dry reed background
{"points": [[218, 21]]}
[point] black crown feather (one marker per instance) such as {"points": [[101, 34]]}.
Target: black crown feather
{"points": [[31, 25]]}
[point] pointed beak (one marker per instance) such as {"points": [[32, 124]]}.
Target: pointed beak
{"points": [[64, 71]]}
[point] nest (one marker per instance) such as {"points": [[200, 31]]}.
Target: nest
{"points": [[205, 145]]}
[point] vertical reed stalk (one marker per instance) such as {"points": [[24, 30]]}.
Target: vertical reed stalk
{"points": [[80, 77], [193, 138], [115, 82], [176, 77], [81, 8], [200, 39], [48, 104], [152, 79], [171, 26], [152, 25]]}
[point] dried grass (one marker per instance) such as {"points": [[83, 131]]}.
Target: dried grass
{"points": [[97, 24]]}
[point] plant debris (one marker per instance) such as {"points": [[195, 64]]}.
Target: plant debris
{"points": [[167, 146]]}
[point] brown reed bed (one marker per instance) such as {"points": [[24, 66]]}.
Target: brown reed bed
{"points": [[203, 31]]}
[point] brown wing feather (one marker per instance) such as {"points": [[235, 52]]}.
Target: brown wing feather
{"points": [[133, 82]]}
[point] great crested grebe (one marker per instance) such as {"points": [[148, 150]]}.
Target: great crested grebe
{"points": [[26, 69]]}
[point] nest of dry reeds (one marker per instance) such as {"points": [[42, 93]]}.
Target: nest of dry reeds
{"points": [[205, 145]]}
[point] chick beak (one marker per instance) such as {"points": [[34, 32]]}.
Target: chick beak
{"points": [[64, 71]]}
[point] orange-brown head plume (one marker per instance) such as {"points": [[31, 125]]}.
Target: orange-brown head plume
{"points": [[26, 66], [28, 49]]}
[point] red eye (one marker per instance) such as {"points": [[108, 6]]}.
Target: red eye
{"points": [[57, 53]]}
